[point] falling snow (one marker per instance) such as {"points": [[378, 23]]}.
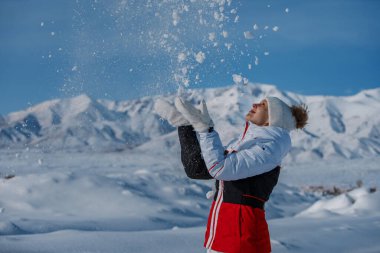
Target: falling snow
{"points": [[200, 57]]}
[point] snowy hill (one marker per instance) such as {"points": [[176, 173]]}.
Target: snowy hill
{"points": [[340, 127]]}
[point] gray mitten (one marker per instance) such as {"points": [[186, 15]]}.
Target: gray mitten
{"points": [[170, 113], [199, 119]]}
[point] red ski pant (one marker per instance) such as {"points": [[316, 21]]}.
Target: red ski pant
{"points": [[236, 228]]}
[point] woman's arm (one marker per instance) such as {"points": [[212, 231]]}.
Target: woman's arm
{"points": [[256, 159], [192, 160]]}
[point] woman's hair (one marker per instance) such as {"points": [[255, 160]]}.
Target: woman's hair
{"points": [[300, 113]]}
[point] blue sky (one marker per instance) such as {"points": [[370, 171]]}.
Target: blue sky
{"points": [[54, 49]]}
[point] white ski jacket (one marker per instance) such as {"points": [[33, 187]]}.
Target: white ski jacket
{"points": [[258, 150]]}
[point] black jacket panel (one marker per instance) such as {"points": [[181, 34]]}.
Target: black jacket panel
{"points": [[191, 154]]}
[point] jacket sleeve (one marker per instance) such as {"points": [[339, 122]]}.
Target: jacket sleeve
{"points": [[191, 155], [255, 159]]}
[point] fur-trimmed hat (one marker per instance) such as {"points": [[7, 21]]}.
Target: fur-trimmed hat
{"points": [[280, 114]]}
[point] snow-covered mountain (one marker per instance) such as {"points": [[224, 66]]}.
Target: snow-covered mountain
{"points": [[346, 126], [83, 123]]}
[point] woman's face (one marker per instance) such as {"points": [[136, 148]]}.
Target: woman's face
{"points": [[258, 115]]}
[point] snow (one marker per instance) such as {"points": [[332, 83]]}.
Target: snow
{"points": [[200, 57], [212, 36], [334, 131], [175, 17], [248, 35], [137, 198], [239, 80], [275, 28], [256, 60], [228, 45], [181, 57], [134, 202]]}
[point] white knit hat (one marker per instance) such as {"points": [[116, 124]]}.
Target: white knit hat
{"points": [[280, 114]]}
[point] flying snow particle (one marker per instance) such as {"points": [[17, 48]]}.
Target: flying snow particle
{"points": [[233, 11], [177, 77], [211, 36], [39, 161], [218, 16], [255, 27], [184, 70], [175, 17], [266, 27], [181, 57], [249, 66], [248, 35], [200, 57], [52, 33], [256, 60], [186, 82], [225, 34], [228, 45], [42, 24], [74, 68], [266, 53], [50, 56], [130, 70], [275, 29], [236, 19], [238, 79], [210, 194], [287, 10]]}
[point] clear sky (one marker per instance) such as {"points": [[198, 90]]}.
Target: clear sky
{"points": [[126, 49]]}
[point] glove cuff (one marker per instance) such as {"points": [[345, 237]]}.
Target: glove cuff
{"points": [[201, 127]]}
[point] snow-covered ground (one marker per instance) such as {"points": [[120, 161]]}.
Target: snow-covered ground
{"points": [[132, 202]]}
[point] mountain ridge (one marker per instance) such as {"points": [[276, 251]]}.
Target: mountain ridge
{"points": [[341, 126]]}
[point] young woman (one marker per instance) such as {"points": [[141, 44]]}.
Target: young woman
{"points": [[245, 172]]}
